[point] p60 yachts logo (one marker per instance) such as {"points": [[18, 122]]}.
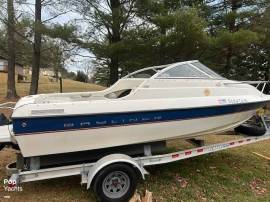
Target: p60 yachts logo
{"points": [[11, 185]]}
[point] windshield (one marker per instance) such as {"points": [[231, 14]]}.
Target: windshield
{"points": [[207, 70], [190, 70], [183, 71]]}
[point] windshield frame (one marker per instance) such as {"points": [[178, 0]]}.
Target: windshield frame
{"points": [[163, 68], [208, 76], [154, 68]]}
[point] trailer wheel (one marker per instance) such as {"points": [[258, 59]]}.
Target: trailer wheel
{"points": [[115, 183]]}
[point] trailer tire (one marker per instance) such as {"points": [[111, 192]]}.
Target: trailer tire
{"points": [[115, 183], [250, 130]]}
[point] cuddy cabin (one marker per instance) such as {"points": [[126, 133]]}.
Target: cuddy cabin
{"points": [[178, 80]]}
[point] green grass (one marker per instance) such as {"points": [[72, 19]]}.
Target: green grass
{"points": [[221, 176]]}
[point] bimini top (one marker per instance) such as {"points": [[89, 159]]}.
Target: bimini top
{"points": [[189, 69]]}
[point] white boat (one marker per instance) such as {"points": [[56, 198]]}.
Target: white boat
{"points": [[179, 100]]}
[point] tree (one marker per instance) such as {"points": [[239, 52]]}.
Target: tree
{"points": [[87, 68], [36, 49], [57, 41], [101, 73], [81, 76], [168, 33], [11, 89], [254, 62], [107, 21], [165, 32], [231, 33], [161, 15]]}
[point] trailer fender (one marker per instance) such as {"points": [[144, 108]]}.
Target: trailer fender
{"points": [[110, 159]]}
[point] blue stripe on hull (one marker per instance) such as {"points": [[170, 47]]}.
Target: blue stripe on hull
{"points": [[60, 123]]}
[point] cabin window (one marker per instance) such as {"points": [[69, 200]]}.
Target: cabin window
{"points": [[207, 70], [144, 74], [118, 94], [183, 71]]}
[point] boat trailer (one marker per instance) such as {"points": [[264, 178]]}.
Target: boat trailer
{"points": [[117, 174]]}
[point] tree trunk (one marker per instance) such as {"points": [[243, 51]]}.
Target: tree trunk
{"points": [[162, 51], [232, 28], [228, 56], [36, 49], [114, 65], [56, 74], [11, 88], [115, 38]]}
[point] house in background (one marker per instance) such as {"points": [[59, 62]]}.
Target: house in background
{"points": [[47, 72], [43, 72], [18, 68]]}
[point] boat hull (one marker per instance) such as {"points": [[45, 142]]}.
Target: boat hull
{"points": [[57, 142]]}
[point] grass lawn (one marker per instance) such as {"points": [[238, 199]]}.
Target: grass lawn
{"points": [[48, 87], [231, 175]]}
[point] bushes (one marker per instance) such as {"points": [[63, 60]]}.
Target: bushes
{"points": [[81, 76]]}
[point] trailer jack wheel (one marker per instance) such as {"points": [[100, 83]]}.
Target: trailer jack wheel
{"points": [[116, 182]]}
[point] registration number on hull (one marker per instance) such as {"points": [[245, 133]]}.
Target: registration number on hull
{"points": [[232, 100]]}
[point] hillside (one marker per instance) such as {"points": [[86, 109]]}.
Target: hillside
{"points": [[46, 86]]}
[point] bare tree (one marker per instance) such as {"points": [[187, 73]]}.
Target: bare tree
{"points": [[11, 88], [87, 68], [36, 49]]}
